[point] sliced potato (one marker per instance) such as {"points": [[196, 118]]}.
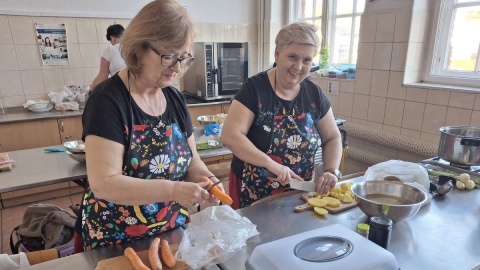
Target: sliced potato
{"points": [[321, 211], [332, 201], [347, 199], [316, 202]]}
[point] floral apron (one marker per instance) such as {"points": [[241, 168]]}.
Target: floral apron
{"points": [[156, 152], [293, 143]]}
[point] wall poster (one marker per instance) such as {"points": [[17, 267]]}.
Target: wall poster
{"points": [[52, 43]]}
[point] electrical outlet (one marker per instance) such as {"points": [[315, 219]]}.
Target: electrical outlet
{"points": [[333, 87]]}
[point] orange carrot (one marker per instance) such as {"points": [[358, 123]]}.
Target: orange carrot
{"points": [[153, 257], [222, 196], [134, 259], [167, 255]]}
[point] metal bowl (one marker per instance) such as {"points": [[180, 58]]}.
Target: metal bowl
{"points": [[395, 200], [80, 157], [75, 146]]}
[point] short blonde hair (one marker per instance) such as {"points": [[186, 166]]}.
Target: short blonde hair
{"points": [[162, 23], [298, 32]]}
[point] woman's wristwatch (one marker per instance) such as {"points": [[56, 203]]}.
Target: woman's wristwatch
{"points": [[335, 172]]}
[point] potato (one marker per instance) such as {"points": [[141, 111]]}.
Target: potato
{"points": [[317, 202], [347, 199], [321, 211], [332, 201]]}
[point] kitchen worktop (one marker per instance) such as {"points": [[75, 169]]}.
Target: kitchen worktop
{"points": [[20, 114]]}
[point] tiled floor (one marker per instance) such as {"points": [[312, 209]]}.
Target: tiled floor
{"points": [[12, 217]]}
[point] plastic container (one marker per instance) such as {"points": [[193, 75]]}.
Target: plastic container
{"points": [[380, 231], [362, 229]]}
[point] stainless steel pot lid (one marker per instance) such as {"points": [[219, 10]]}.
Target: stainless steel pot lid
{"points": [[323, 249]]}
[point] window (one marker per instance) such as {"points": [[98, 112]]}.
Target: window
{"points": [[339, 23], [455, 53]]}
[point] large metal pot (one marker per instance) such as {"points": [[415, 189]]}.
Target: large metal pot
{"points": [[460, 144]]}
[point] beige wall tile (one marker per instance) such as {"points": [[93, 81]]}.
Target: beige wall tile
{"points": [[15, 101], [461, 100], [416, 94], [6, 36], [402, 26], [333, 102], [363, 81], [434, 117], [395, 85], [346, 104], [368, 27], [204, 32], [374, 125], [385, 27], [475, 121], [412, 115], [53, 80], [347, 86], [365, 55], [382, 56], [71, 28], [74, 58], [458, 117], [244, 33], [32, 81], [73, 76], [379, 83], [394, 112], [391, 129], [360, 106], [86, 31], [431, 138], [22, 29], [28, 57], [101, 25], [476, 106], [359, 121], [8, 57], [376, 109], [399, 55], [124, 22], [438, 97], [89, 74], [410, 133], [89, 54], [11, 83]]}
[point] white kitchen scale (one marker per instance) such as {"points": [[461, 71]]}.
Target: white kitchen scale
{"points": [[330, 247]]}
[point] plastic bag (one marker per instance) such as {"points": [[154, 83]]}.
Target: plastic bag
{"points": [[407, 172], [214, 235]]}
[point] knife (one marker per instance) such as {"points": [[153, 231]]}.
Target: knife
{"points": [[54, 149], [223, 180], [294, 183]]}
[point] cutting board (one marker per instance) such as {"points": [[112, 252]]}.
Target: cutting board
{"points": [[332, 210], [5, 167], [122, 262]]}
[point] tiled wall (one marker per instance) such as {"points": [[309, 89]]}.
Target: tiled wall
{"points": [[23, 77], [378, 98]]}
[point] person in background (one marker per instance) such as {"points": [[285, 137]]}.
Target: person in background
{"points": [[276, 121], [142, 165], [111, 61]]}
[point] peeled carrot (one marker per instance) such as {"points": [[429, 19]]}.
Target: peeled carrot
{"points": [[134, 259], [222, 196], [167, 255], [153, 257]]}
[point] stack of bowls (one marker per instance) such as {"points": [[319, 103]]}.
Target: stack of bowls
{"points": [[76, 150]]}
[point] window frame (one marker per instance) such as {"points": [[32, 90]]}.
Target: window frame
{"points": [[436, 54]]}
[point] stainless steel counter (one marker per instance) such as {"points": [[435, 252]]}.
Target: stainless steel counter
{"points": [[444, 234], [34, 168]]}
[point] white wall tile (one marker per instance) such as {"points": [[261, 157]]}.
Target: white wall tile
{"points": [[53, 80], [379, 83], [6, 36], [376, 109], [89, 54], [385, 27], [365, 55], [11, 83], [204, 32], [363, 81], [86, 30], [399, 56], [382, 56], [28, 57], [402, 26], [8, 58], [89, 74], [32, 81], [15, 101], [368, 27], [73, 76], [395, 85], [22, 30]]}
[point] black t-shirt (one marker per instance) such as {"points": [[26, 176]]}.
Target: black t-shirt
{"points": [[110, 109], [257, 94]]}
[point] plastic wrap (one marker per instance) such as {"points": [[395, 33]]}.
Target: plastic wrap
{"points": [[214, 235]]}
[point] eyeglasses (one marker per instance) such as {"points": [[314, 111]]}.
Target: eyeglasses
{"points": [[171, 60]]}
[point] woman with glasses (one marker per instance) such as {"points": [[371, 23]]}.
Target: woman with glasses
{"points": [[142, 165], [276, 121]]}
